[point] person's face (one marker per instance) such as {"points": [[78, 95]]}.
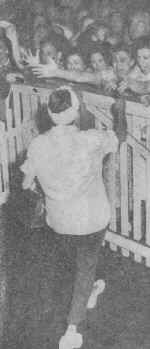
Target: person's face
{"points": [[47, 53], [42, 30], [38, 8], [122, 63], [82, 14], [101, 33], [86, 23], [104, 11], [116, 24], [75, 63], [71, 3], [40, 34], [52, 13], [39, 21], [3, 52], [143, 59], [138, 29], [98, 62]]}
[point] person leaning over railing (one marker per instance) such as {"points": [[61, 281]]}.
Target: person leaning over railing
{"points": [[10, 58], [10, 62], [100, 73], [138, 79]]}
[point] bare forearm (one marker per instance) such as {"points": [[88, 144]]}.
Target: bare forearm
{"points": [[16, 52], [140, 87], [82, 77], [28, 183]]}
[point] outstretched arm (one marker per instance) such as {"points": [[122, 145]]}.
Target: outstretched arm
{"points": [[47, 71], [29, 177], [11, 34], [137, 86], [140, 87], [28, 168]]}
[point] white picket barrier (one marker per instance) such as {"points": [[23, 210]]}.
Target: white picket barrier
{"points": [[4, 165], [130, 228], [128, 177]]}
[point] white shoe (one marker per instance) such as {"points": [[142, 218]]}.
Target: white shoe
{"points": [[71, 339], [98, 288]]}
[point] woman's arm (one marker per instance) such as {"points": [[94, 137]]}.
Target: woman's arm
{"points": [[137, 86], [28, 167], [46, 71], [140, 87], [11, 34], [29, 178], [83, 77]]}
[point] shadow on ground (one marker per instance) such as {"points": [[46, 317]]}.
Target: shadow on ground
{"points": [[39, 278]]}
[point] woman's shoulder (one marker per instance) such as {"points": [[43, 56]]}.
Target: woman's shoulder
{"points": [[108, 74], [136, 73], [90, 138]]}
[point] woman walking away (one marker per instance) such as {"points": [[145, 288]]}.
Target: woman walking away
{"points": [[67, 163]]}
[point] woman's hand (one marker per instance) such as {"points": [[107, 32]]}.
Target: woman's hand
{"points": [[45, 70], [30, 59], [13, 77], [124, 85], [110, 86]]}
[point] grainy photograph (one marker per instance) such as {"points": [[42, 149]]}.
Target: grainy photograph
{"points": [[74, 174]]}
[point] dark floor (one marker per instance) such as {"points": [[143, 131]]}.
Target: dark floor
{"points": [[39, 293]]}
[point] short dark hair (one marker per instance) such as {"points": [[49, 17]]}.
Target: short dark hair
{"points": [[125, 48], [139, 44], [84, 42], [104, 49], [75, 51], [46, 42], [59, 101], [71, 52]]}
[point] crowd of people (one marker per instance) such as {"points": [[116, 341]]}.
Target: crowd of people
{"points": [[84, 42], [106, 45]]}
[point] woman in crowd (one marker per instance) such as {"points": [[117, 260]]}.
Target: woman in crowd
{"points": [[77, 207]]}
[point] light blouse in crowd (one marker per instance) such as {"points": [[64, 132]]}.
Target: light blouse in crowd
{"points": [[68, 165], [137, 74]]}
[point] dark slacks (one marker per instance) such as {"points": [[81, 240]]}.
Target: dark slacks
{"points": [[86, 251]]}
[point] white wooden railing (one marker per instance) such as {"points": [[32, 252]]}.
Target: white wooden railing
{"points": [[128, 172]]}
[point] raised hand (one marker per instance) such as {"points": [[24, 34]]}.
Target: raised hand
{"points": [[10, 31], [30, 58], [45, 70], [11, 34]]}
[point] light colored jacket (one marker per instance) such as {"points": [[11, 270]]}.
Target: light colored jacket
{"points": [[68, 164]]}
